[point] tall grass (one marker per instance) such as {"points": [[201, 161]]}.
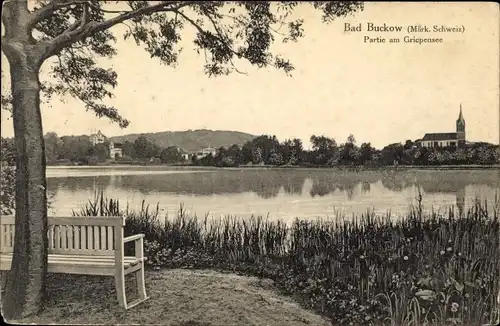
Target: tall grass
{"points": [[419, 269]]}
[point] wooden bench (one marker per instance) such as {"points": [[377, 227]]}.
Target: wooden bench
{"points": [[86, 245]]}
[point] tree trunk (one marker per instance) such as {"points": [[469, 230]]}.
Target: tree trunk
{"points": [[25, 288]]}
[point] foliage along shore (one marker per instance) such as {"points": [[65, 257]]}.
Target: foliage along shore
{"points": [[269, 151], [420, 269]]}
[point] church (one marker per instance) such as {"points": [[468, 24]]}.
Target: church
{"points": [[446, 139]]}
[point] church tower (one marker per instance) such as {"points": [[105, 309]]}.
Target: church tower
{"points": [[461, 128]]}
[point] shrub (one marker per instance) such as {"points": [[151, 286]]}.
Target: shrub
{"points": [[8, 176]]}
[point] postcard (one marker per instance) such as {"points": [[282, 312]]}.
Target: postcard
{"points": [[250, 163]]}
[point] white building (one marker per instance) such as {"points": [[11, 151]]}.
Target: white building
{"points": [[115, 150], [97, 138], [205, 152], [188, 156]]}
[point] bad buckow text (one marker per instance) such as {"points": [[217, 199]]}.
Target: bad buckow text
{"points": [[371, 27]]}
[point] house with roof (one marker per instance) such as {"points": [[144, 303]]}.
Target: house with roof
{"points": [[446, 139], [97, 138]]}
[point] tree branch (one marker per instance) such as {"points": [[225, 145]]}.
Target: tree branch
{"points": [[161, 7], [218, 31], [78, 26], [108, 11], [47, 11], [192, 22], [84, 88], [222, 33], [69, 37]]}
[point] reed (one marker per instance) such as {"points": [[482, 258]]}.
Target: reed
{"points": [[418, 269]]}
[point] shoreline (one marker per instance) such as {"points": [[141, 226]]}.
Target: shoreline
{"points": [[355, 169]]}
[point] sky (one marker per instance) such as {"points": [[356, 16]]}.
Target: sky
{"points": [[380, 93]]}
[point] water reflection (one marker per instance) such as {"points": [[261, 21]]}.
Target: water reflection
{"points": [[460, 200], [365, 187], [268, 184]]}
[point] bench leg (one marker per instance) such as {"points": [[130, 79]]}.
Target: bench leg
{"points": [[141, 285], [141, 289], [120, 290]]}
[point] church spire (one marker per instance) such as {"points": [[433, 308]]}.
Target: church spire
{"points": [[461, 122], [460, 115]]}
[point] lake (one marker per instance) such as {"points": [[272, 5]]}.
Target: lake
{"points": [[278, 193]]}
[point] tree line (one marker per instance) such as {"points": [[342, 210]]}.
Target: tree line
{"points": [[80, 150], [267, 150]]}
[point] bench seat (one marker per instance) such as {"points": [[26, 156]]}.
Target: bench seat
{"points": [[78, 264]]}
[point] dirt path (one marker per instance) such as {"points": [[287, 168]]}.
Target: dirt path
{"points": [[176, 298], [229, 299]]}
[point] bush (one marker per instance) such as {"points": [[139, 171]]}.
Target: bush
{"points": [[124, 158], [8, 176]]}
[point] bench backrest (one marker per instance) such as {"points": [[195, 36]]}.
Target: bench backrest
{"points": [[99, 236]]}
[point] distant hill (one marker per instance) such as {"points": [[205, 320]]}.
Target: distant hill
{"points": [[191, 140]]}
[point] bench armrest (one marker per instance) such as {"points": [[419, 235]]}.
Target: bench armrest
{"points": [[139, 245], [133, 237]]}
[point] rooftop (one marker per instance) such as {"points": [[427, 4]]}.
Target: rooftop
{"points": [[440, 136]]}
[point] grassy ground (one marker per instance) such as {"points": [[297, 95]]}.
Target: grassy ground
{"points": [[177, 297]]}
